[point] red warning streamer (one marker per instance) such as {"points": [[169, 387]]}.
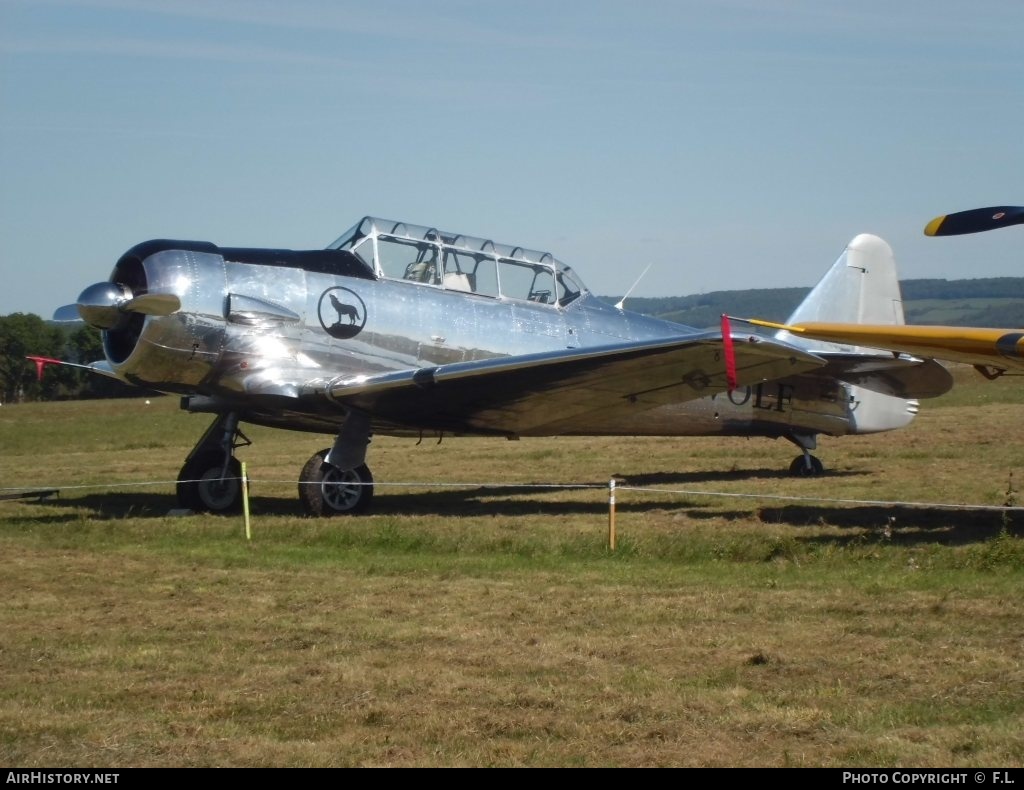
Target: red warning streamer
{"points": [[730, 354], [42, 362]]}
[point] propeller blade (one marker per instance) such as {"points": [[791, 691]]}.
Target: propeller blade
{"points": [[153, 304], [67, 313], [975, 220]]}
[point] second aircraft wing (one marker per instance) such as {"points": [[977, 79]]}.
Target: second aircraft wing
{"points": [[992, 348]]}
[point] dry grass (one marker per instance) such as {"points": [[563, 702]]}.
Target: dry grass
{"points": [[480, 626]]}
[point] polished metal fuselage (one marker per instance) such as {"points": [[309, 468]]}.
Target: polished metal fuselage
{"points": [[261, 339]]}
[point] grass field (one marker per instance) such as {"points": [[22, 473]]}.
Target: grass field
{"points": [[746, 618]]}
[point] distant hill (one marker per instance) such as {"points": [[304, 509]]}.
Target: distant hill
{"points": [[992, 301]]}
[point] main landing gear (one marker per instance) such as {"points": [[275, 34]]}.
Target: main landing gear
{"points": [[211, 479], [805, 465], [326, 490]]}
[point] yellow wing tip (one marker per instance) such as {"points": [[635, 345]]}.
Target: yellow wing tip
{"points": [[932, 228]]}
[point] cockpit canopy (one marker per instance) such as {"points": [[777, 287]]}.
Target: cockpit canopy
{"points": [[401, 251]]}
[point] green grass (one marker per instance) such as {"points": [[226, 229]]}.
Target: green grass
{"points": [[745, 618]]}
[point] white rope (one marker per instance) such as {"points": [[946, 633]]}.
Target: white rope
{"points": [[545, 486], [782, 497]]}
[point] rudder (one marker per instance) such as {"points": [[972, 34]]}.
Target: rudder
{"points": [[862, 287]]}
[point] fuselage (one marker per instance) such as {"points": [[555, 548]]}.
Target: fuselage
{"points": [[258, 328], [403, 329]]}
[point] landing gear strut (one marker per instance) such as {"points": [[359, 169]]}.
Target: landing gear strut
{"points": [[335, 481], [211, 479], [805, 465]]}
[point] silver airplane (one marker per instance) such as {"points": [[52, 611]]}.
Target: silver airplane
{"points": [[403, 329]]}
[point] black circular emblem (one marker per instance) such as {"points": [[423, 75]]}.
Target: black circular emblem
{"points": [[342, 312]]}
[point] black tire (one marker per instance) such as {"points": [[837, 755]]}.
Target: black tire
{"points": [[200, 487], [799, 467], [325, 490]]}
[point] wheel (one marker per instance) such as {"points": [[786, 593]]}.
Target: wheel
{"points": [[799, 467], [326, 490], [201, 488]]}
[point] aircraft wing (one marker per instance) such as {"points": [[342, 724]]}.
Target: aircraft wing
{"points": [[992, 348], [524, 394]]}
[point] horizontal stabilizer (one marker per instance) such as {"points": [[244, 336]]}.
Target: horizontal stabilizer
{"points": [[897, 376], [918, 376]]}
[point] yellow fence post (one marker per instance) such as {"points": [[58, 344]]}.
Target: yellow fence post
{"points": [[245, 502], [611, 514]]}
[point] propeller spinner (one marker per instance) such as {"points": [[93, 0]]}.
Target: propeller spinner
{"points": [[104, 305]]}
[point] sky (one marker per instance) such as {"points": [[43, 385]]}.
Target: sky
{"points": [[727, 144]]}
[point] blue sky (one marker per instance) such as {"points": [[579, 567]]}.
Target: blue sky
{"points": [[731, 144]]}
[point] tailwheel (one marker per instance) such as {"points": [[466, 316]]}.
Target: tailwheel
{"points": [[205, 485], [806, 466], [326, 490]]}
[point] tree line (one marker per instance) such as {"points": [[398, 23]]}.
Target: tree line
{"points": [[24, 334]]}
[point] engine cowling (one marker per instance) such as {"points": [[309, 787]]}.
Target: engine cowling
{"points": [[161, 314]]}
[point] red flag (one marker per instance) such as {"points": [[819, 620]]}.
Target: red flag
{"points": [[42, 362], [730, 354]]}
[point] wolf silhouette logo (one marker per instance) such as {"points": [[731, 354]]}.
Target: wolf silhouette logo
{"points": [[342, 313], [344, 310]]}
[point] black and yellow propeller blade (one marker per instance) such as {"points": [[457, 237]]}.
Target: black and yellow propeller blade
{"points": [[975, 220]]}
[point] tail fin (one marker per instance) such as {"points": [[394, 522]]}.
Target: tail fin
{"points": [[862, 287]]}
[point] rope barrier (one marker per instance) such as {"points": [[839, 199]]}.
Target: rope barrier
{"points": [[828, 500], [615, 486]]}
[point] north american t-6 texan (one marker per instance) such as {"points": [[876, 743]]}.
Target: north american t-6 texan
{"points": [[408, 330]]}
